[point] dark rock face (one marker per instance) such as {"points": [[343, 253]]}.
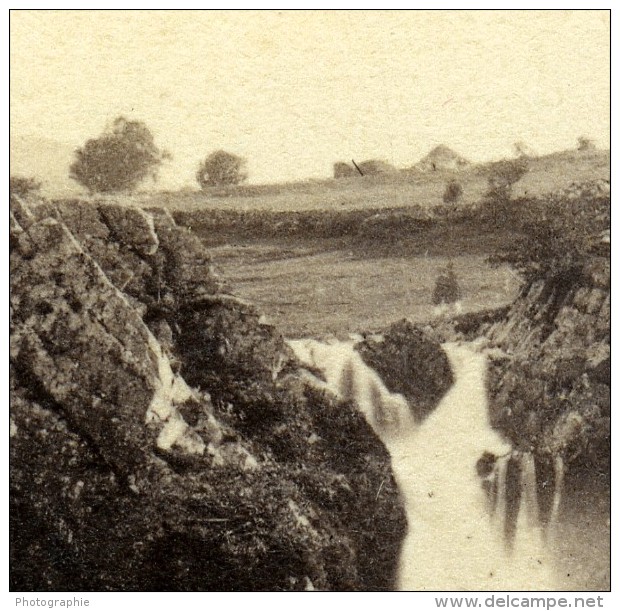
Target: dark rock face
{"points": [[412, 363], [550, 376], [549, 366], [161, 437]]}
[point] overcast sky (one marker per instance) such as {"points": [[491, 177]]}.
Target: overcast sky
{"points": [[295, 91]]}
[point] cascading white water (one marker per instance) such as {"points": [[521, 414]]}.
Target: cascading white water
{"points": [[456, 538]]}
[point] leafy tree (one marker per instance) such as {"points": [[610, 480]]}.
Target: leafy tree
{"points": [[558, 234], [453, 192], [221, 168], [497, 207], [502, 175], [118, 160], [23, 186]]}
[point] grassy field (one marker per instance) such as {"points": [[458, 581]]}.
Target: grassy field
{"points": [[308, 291], [401, 189], [558, 171], [378, 191], [337, 256]]}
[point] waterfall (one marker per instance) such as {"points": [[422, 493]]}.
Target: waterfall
{"points": [[526, 563], [471, 501], [348, 377], [558, 487]]}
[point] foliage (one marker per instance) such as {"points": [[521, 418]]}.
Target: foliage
{"points": [[497, 206], [447, 288], [558, 234], [23, 186], [585, 144], [502, 175], [453, 192], [221, 168], [118, 160], [552, 395]]}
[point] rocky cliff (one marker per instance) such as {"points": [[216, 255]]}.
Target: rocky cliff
{"points": [[550, 387], [550, 377], [550, 350], [161, 435]]}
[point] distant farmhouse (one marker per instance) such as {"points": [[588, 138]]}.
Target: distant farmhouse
{"points": [[442, 158], [363, 168]]}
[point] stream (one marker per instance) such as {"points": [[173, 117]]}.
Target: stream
{"points": [[472, 525]]}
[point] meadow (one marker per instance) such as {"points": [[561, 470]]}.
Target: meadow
{"points": [[309, 293], [335, 257]]}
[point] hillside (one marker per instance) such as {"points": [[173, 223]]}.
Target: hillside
{"points": [[49, 161], [404, 189], [557, 171]]}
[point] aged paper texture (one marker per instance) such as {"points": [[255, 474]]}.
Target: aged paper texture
{"points": [[310, 300]]}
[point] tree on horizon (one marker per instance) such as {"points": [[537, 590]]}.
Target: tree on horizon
{"points": [[221, 168], [119, 160]]}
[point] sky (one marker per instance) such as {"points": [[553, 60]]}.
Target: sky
{"points": [[293, 92]]}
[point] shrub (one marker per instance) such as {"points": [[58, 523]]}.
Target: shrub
{"points": [[453, 192], [23, 186], [585, 144], [497, 207], [502, 175], [119, 160], [221, 168], [556, 235], [447, 288]]}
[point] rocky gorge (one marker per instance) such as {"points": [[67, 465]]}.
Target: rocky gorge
{"points": [[165, 437], [161, 438]]}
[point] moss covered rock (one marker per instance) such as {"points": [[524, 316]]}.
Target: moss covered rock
{"points": [[161, 437]]}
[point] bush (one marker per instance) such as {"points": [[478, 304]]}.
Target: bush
{"points": [[447, 288], [497, 206], [23, 186], [585, 144], [558, 234], [453, 192], [119, 160], [221, 168], [502, 175]]}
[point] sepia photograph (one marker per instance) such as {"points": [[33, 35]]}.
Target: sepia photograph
{"points": [[310, 300]]}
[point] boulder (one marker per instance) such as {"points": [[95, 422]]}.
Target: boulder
{"points": [[410, 362]]}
